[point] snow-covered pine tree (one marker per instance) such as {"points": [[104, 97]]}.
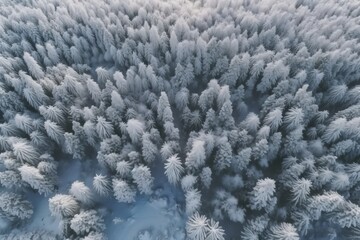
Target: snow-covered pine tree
{"points": [[196, 157], [13, 206], [101, 184], [87, 221], [149, 149], [196, 227], [123, 192], [81, 193], [11, 179], [104, 128], [251, 123], [25, 152], [173, 169], [143, 179], [24, 122], [274, 119], [215, 231], [36, 180], [54, 131], [63, 206], [225, 116], [192, 201], [301, 190], [94, 90], [33, 67], [263, 195], [223, 154], [135, 129], [283, 231]]}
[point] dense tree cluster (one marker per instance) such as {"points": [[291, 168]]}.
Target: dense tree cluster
{"points": [[251, 105]]}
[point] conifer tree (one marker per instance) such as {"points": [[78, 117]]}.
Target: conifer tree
{"points": [[143, 179], [262, 196], [173, 169], [123, 192], [13, 206], [63, 206]]}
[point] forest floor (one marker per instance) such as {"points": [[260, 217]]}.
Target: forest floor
{"points": [[158, 215]]}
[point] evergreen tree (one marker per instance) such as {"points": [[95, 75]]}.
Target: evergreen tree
{"points": [[206, 177], [36, 180], [101, 185], [10, 179], [94, 90], [293, 118], [196, 157], [143, 179], [251, 123], [283, 231], [81, 193], [196, 227], [262, 196], [54, 131], [173, 169], [149, 149], [25, 152], [223, 155], [215, 232], [225, 115], [24, 123], [86, 222], [104, 128], [193, 201], [135, 129], [274, 119], [123, 192], [63, 206], [301, 190], [13, 206], [33, 67]]}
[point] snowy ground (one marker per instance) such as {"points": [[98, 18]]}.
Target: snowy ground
{"points": [[158, 215], [41, 218]]}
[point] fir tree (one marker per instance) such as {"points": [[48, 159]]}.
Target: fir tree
{"points": [[173, 169], [63, 206]]}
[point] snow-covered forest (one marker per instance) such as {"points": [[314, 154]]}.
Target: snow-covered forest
{"points": [[196, 120]]}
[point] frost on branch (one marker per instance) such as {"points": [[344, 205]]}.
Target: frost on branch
{"points": [[13, 206], [63, 206], [81, 192], [123, 192], [283, 231], [196, 157], [196, 227], [135, 128], [173, 169], [104, 128], [54, 131], [101, 185], [143, 179], [262, 196], [25, 152], [36, 180], [86, 222]]}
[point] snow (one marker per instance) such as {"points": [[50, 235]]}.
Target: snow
{"points": [[41, 218], [159, 214], [154, 215]]}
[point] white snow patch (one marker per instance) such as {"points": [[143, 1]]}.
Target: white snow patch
{"points": [[42, 219], [153, 215]]}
